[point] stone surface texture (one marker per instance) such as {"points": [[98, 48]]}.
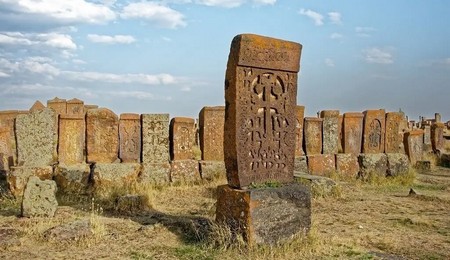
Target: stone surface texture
{"points": [[182, 138], [347, 165], [37, 138], [267, 215], [398, 164], [260, 120], [156, 173], [301, 165], [72, 139], [37, 106], [321, 164], [372, 164], [437, 136], [130, 142], [313, 135], [374, 131], [155, 138], [102, 136], [39, 198], [300, 115], [330, 131], [111, 175], [58, 105], [353, 130], [211, 125], [393, 136]]}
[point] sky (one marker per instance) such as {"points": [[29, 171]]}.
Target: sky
{"points": [[170, 56]]}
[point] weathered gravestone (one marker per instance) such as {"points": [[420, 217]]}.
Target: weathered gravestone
{"points": [[39, 198], [437, 136], [155, 148], [393, 137], [8, 138], [37, 106], [374, 129], [182, 140], [37, 138], [72, 140], [260, 124], [211, 123], [330, 131], [414, 145], [313, 135], [353, 129], [427, 146], [300, 115], [130, 143], [102, 136]]}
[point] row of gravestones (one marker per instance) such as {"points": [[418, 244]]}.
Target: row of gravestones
{"points": [[101, 148], [354, 143]]}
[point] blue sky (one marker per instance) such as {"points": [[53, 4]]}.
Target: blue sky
{"points": [[170, 56]]}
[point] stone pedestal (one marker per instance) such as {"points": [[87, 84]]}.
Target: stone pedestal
{"points": [[210, 170], [347, 165], [18, 177], [266, 215], [321, 164], [184, 171], [372, 164]]}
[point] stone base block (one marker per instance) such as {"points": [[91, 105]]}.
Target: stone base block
{"points": [[300, 164], [321, 164], [375, 163], [18, 177], [110, 175], [184, 171], [39, 198], [347, 165], [267, 215], [320, 186], [130, 204], [398, 164], [155, 173], [72, 178], [210, 170], [445, 160]]}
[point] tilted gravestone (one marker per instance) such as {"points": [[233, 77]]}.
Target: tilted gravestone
{"points": [[259, 146]]}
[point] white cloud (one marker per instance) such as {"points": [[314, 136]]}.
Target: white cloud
{"points": [[336, 36], [329, 62], [4, 75], [65, 12], [34, 65], [364, 31], [335, 17], [377, 55], [121, 39], [316, 17], [54, 40], [146, 79], [157, 13], [264, 2], [221, 3]]}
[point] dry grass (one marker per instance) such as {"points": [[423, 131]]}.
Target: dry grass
{"points": [[368, 220]]}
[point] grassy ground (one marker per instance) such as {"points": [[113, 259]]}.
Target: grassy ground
{"points": [[377, 220]]}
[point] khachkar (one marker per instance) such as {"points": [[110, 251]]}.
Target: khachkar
{"points": [[260, 125]]}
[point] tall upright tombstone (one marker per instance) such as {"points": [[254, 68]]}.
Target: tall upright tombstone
{"points": [[414, 145], [102, 136], [353, 130], [130, 143], [374, 130], [211, 123], [330, 131], [260, 124], [393, 136], [437, 136], [300, 115], [37, 138], [72, 139], [8, 138], [313, 128], [155, 148]]}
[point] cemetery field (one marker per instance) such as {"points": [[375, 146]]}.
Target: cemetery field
{"points": [[359, 221]]}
